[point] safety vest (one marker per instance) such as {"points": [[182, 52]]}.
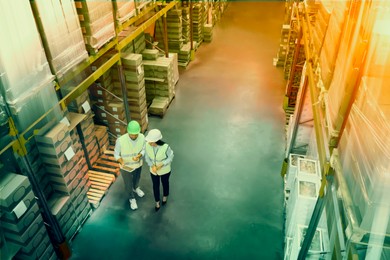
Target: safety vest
{"points": [[158, 157], [130, 149]]}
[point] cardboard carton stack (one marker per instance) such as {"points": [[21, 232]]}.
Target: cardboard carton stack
{"points": [[208, 32], [101, 133], [174, 31], [82, 104], [160, 81], [22, 225], [79, 183], [184, 55], [133, 70], [138, 45], [124, 10], [150, 54], [198, 20], [97, 22], [66, 167]]}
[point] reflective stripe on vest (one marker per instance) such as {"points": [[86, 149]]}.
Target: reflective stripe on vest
{"points": [[158, 157], [130, 150]]}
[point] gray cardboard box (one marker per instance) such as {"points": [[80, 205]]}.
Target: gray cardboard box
{"points": [[9, 215], [41, 237], [23, 222], [13, 188], [54, 136], [28, 234]]}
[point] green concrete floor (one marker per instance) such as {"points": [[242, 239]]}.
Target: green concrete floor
{"points": [[226, 128]]}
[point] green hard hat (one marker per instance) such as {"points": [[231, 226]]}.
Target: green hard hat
{"points": [[133, 127]]}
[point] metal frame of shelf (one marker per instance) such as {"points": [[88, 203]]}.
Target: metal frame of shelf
{"points": [[345, 231], [19, 140]]}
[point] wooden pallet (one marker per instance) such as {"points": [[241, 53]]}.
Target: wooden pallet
{"points": [[106, 163], [100, 182], [162, 113]]}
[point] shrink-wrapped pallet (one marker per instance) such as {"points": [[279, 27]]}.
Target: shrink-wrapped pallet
{"points": [[61, 33]]}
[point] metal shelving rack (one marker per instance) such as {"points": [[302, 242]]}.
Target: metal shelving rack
{"points": [[344, 231], [18, 140]]}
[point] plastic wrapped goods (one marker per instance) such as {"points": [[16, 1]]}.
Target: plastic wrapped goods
{"points": [[125, 9], [28, 108], [61, 33], [365, 157], [23, 63], [97, 22]]}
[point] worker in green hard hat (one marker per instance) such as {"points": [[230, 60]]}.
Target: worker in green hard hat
{"points": [[129, 151]]}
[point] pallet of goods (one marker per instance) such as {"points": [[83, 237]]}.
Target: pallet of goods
{"points": [[97, 23]]}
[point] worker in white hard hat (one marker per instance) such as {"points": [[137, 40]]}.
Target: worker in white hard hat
{"points": [[129, 151], [159, 156]]}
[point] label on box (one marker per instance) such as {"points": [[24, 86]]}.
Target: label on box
{"points": [[20, 209], [69, 153], [104, 115], [114, 109], [86, 107], [65, 121], [139, 69], [100, 92]]}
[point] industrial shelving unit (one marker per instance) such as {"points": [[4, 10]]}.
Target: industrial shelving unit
{"points": [[15, 143], [355, 229]]}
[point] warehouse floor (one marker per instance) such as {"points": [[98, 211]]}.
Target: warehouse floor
{"points": [[226, 128]]}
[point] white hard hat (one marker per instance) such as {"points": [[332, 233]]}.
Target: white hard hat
{"points": [[153, 136]]}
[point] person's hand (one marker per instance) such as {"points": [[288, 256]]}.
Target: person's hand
{"points": [[137, 158], [154, 169], [159, 166], [120, 161]]}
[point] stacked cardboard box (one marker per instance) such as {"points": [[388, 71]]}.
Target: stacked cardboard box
{"points": [[79, 184], [101, 133], [138, 45], [184, 55], [150, 54], [291, 173], [82, 104], [88, 139], [21, 222], [198, 20], [97, 22], [58, 155], [160, 78], [281, 55], [108, 107], [133, 70], [174, 31], [159, 106], [306, 179], [124, 10], [62, 153], [208, 32]]}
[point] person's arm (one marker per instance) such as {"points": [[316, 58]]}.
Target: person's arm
{"points": [[148, 160], [143, 150], [117, 152], [169, 159]]}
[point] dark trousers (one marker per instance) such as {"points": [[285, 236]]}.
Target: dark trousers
{"points": [[156, 185]]}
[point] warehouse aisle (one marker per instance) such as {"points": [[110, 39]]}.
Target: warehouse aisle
{"points": [[226, 128]]}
